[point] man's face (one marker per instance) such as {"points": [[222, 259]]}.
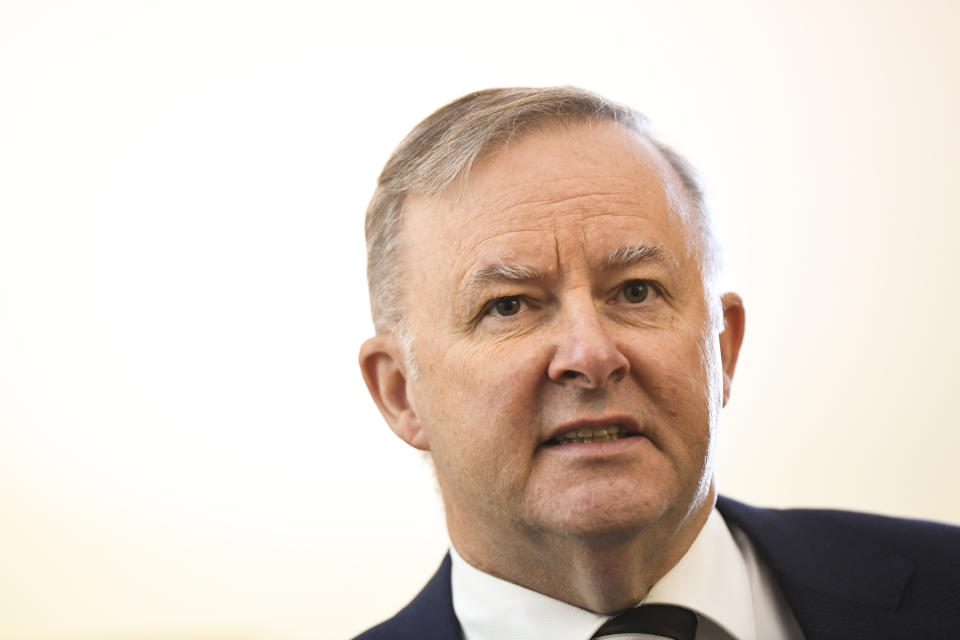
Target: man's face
{"points": [[558, 295]]}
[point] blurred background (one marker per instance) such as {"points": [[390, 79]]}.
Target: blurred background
{"points": [[187, 449]]}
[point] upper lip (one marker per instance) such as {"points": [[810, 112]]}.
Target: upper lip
{"points": [[626, 423]]}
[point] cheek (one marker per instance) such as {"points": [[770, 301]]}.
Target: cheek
{"points": [[493, 370], [669, 365], [480, 398], [674, 374]]}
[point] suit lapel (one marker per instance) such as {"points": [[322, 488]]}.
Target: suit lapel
{"points": [[430, 615], [832, 579]]}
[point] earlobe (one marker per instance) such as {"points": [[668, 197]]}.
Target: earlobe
{"points": [[734, 321], [381, 363]]}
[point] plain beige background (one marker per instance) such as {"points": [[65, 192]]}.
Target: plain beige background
{"points": [[186, 446]]}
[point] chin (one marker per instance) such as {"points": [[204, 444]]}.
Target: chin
{"points": [[606, 520]]}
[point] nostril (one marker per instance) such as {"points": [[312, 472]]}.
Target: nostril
{"points": [[570, 373]]}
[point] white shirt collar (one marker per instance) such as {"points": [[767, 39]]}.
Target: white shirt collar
{"points": [[711, 578]]}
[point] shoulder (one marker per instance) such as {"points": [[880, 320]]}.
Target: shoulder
{"points": [[429, 616], [917, 539], [848, 570]]}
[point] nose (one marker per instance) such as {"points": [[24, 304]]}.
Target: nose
{"points": [[586, 354]]}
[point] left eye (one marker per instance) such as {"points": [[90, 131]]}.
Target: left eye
{"points": [[636, 292], [507, 306]]}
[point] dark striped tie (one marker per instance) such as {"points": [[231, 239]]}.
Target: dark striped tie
{"points": [[651, 622]]}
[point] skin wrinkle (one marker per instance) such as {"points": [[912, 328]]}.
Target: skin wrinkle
{"points": [[616, 259], [489, 276], [476, 241], [472, 294], [472, 245], [558, 201], [676, 198], [669, 292], [497, 209], [607, 197]]}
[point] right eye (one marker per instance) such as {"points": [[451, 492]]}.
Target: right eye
{"points": [[636, 292], [506, 306]]}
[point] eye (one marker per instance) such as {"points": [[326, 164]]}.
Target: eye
{"points": [[637, 291], [506, 306]]}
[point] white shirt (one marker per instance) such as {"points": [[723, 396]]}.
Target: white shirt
{"points": [[720, 577]]}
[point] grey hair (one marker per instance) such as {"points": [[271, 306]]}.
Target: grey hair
{"points": [[442, 149]]}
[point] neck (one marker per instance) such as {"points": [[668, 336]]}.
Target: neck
{"points": [[604, 574]]}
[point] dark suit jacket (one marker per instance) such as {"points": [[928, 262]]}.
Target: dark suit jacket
{"points": [[845, 575]]}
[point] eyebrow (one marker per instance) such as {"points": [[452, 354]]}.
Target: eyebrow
{"points": [[501, 272], [634, 254]]}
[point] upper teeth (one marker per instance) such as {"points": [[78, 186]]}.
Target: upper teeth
{"points": [[593, 434]]}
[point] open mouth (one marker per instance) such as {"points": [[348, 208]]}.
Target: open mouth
{"points": [[591, 435]]}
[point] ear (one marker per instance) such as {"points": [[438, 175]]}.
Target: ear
{"points": [[382, 364], [731, 338]]}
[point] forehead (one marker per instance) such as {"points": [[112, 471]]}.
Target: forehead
{"points": [[586, 188]]}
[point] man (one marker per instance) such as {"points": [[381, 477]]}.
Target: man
{"points": [[543, 279]]}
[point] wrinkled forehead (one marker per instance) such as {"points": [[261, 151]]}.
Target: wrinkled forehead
{"points": [[558, 150], [591, 173]]}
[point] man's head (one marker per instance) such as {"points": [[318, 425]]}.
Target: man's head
{"points": [[442, 149], [572, 351]]}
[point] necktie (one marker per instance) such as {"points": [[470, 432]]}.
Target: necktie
{"points": [[651, 622]]}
